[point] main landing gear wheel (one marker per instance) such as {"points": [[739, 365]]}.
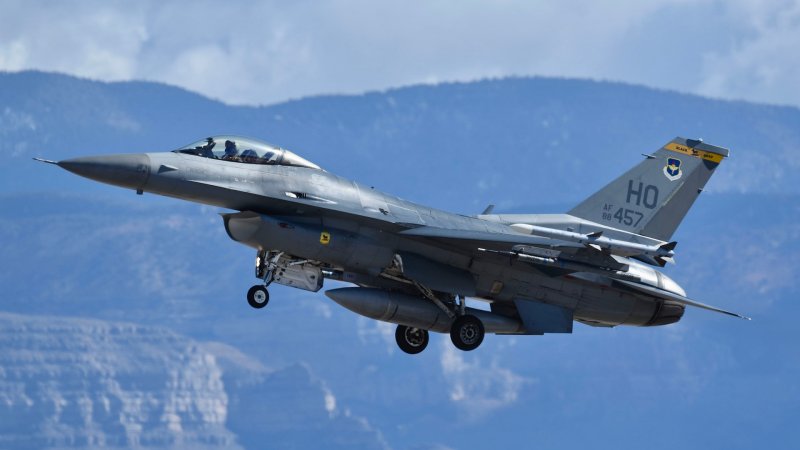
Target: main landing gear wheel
{"points": [[411, 340], [467, 332], [258, 296]]}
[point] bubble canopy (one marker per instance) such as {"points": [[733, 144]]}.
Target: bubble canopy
{"points": [[244, 150]]}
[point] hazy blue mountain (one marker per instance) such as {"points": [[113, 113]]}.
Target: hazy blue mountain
{"points": [[71, 248], [68, 383], [501, 141]]}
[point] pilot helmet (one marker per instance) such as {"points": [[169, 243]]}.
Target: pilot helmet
{"points": [[230, 148]]}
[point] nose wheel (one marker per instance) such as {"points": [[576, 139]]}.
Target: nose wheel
{"points": [[266, 263], [258, 296]]}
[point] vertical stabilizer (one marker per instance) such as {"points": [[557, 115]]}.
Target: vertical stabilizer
{"points": [[652, 198]]}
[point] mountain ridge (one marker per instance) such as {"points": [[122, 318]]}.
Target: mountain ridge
{"points": [[568, 126], [28, 73]]}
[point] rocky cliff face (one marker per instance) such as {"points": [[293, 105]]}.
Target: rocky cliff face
{"points": [[70, 382], [73, 383]]}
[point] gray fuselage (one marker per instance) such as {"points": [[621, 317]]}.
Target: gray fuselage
{"points": [[299, 204]]}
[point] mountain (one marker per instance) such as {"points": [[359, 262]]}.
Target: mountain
{"points": [[77, 252], [72, 383], [472, 143]]}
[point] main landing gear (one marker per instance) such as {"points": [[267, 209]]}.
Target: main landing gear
{"points": [[466, 332], [411, 340]]}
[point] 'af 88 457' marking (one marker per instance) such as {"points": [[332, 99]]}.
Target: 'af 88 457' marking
{"points": [[624, 216]]}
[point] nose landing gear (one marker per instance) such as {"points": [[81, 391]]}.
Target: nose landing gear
{"points": [[278, 267], [266, 263]]}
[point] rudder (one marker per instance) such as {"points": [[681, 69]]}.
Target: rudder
{"points": [[653, 197]]}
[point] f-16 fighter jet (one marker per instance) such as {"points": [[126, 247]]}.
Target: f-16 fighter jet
{"points": [[416, 266]]}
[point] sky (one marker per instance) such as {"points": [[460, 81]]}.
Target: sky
{"points": [[263, 52], [248, 52]]}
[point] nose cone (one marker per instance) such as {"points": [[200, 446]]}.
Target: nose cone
{"points": [[128, 171]]}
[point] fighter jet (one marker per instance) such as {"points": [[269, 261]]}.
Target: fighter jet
{"points": [[416, 266]]}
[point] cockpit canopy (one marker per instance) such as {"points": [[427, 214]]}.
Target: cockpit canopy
{"points": [[245, 150]]}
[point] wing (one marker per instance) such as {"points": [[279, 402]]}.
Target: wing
{"points": [[555, 257], [652, 251], [469, 240], [552, 256]]}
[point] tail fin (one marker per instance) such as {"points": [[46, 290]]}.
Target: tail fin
{"points": [[652, 198]]}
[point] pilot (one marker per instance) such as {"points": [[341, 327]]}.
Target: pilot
{"points": [[250, 156], [205, 150], [231, 153]]}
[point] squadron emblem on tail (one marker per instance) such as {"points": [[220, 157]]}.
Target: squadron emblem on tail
{"points": [[673, 169]]}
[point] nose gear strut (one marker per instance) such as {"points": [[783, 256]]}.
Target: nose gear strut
{"points": [[266, 263]]}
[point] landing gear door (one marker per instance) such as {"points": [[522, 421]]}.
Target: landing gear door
{"points": [[278, 267], [301, 276]]}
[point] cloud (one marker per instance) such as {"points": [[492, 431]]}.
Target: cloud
{"points": [[245, 52], [90, 39], [759, 63], [376, 332], [479, 388], [12, 121]]}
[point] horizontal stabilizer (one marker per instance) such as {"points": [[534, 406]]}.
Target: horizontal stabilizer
{"points": [[666, 295]]}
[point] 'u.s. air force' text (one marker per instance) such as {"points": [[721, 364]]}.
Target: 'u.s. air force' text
{"points": [[639, 195]]}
